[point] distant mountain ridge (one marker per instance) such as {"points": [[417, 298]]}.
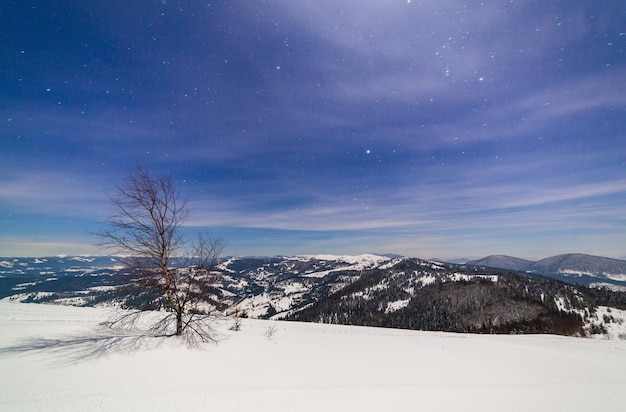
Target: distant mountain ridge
{"points": [[503, 262], [572, 267]]}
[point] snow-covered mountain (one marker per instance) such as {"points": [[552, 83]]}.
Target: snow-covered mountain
{"points": [[274, 287], [578, 268], [366, 290]]}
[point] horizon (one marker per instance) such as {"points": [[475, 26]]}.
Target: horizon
{"points": [[435, 129], [228, 256]]}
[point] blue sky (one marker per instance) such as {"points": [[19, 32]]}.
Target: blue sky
{"points": [[424, 128]]}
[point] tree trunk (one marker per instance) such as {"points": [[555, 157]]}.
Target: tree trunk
{"points": [[179, 323]]}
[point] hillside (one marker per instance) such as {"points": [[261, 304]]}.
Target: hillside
{"points": [[421, 295], [576, 268], [577, 264], [58, 358]]}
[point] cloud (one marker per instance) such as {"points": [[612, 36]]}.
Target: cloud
{"points": [[52, 193], [536, 207], [575, 96], [21, 247]]}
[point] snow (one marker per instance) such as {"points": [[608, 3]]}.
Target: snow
{"points": [[610, 286], [427, 280], [22, 286], [619, 277], [560, 304], [614, 320], [73, 301], [224, 265], [464, 277], [365, 258], [397, 305], [256, 305], [572, 272], [58, 358], [360, 262], [294, 287], [83, 259], [322, 273], [19, 297]]}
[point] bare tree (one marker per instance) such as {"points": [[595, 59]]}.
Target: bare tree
{"points": [[165, 271]]}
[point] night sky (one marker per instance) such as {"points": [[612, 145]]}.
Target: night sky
{"points": [[426, 128]]}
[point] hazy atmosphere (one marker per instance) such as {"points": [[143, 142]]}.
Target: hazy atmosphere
{"points": [[426, 128]]}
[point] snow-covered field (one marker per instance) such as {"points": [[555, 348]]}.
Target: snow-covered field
{"points": [[57, 358]]}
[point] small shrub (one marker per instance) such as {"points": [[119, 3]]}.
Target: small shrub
{"points": [[270, 332], [237, 325]]}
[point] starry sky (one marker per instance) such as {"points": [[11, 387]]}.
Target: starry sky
{"points": [[434, 128]]}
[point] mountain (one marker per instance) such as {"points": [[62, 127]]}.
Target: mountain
{"points": [[502, 261], [369, 290], [577, 264], [422, 295], [577, 268]]}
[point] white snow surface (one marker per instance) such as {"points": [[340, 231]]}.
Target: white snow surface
{"points": [[58, 358], [360, 262], [615, 323], [397, 305], [365, 259]]}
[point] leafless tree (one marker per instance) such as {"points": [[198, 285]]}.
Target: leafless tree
{"points": [[165, 271]]}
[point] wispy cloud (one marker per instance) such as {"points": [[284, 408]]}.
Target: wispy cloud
{"points": [[53, 193], [16, 247]]}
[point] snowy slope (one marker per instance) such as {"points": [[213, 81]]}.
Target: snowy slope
{"points": [[56, 358]]}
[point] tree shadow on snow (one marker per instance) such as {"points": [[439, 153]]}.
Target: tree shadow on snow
{"points": [[74, 349]]}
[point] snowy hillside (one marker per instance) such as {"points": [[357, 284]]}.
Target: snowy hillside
{"points": [[274, 287], [58, 358], [415, 294]]}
